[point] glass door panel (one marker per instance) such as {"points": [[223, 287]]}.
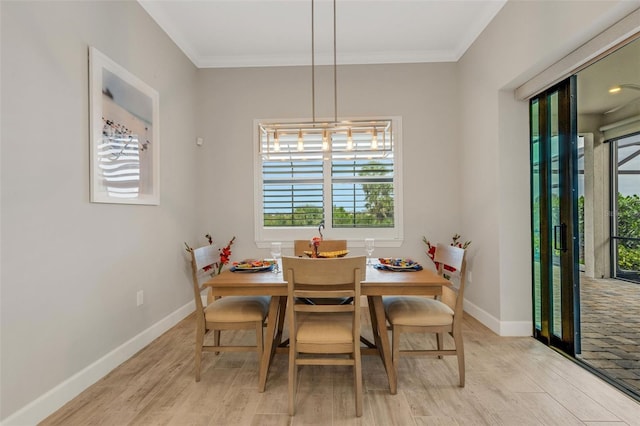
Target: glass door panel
{"points": [[554, 216], [556, 224], [536, 178]]}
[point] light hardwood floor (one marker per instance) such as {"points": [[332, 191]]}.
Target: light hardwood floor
{"points": [[509, 381]]}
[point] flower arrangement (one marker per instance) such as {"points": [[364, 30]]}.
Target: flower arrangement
{"points": [[225, 255], [455, 242], [315, 243]]}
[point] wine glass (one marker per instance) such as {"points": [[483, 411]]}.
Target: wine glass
{"points": [[276, 253], [369, 246]]}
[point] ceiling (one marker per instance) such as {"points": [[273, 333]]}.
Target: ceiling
{"points": [[259, 33], [594, 82], [252, 33]]}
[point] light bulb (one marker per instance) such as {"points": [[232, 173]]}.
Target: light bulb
{"points": [[374, 139], [349, 140], [615, 89], [300, 141], [325, 140], [276, 141]]}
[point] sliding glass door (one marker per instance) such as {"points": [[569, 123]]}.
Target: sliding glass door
{"points": [[554, 187]]}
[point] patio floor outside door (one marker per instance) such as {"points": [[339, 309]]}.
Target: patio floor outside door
{"points": [[610, 324]]}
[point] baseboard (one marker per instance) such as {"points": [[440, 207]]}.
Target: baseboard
{"points": [[516, 328], [52, 400], [501, 328]]}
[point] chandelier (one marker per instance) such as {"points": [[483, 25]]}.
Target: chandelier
{"points": [[363, 138]]}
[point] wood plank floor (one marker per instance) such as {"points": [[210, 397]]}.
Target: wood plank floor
{"points": [[509, 381]]}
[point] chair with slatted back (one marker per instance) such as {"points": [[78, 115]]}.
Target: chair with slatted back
{"points": [[223, 313], [300, 246], [317, 333], [415, 314]]}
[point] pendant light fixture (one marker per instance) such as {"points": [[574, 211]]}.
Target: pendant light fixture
{"points": [[366, 138]]}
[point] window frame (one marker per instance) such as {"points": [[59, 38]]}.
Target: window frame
{"points": [[385, 237], [616, 240]]}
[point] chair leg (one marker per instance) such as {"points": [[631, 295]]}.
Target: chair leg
{"points": [[198, 354], [216, 339], [457, 337], [440, 340], [293, 373], [259, 341], [357, 373], [395, 348]]}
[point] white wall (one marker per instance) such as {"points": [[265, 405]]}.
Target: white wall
{"points": [[71, 269], [425, 95], [523, 39]]}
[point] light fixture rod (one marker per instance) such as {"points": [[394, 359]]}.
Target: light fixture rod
{"points": [[313, 64], [335, 73]]}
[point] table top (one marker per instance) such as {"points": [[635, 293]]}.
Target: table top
{"points": [[377, 282]]}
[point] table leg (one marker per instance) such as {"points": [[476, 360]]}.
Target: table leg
{"points": [[281, 316], [382, 340], [270, 341], [374, 324]]}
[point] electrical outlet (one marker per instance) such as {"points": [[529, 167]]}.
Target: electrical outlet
{"points": [[140, 298]]}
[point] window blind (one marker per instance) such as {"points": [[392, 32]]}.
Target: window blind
{"points": [[362, 193], [292, 193]]}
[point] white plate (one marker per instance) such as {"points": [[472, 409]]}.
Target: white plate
{"points": [[238, 268]]}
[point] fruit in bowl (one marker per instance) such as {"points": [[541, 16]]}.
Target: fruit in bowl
{"points": [[329, 254]]}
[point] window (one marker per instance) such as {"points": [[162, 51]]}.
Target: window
{"points": [[341, 178], [625, 200]]}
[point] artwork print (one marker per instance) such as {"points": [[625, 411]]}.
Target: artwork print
{"points": [[125, 143]]}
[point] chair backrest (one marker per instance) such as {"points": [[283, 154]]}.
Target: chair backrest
{"points": [[324, 278], [201, 257], [455, 257], [300, 246]]}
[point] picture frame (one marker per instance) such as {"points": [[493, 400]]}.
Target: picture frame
{"points": [[124, 135]]}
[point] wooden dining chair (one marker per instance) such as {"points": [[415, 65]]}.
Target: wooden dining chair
{"points": [[223, 313], [416, 314], [318, 332], [300, 246]]}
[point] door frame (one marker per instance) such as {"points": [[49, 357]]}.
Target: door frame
{"points": [[562, 238]]}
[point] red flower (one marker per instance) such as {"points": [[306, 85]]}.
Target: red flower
{"points": [[225, 255], [431, 250]]}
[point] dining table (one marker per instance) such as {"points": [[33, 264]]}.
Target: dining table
{"points": [[377, 283]]}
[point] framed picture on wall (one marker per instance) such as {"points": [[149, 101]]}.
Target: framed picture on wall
{"points": [[125, 141]]}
